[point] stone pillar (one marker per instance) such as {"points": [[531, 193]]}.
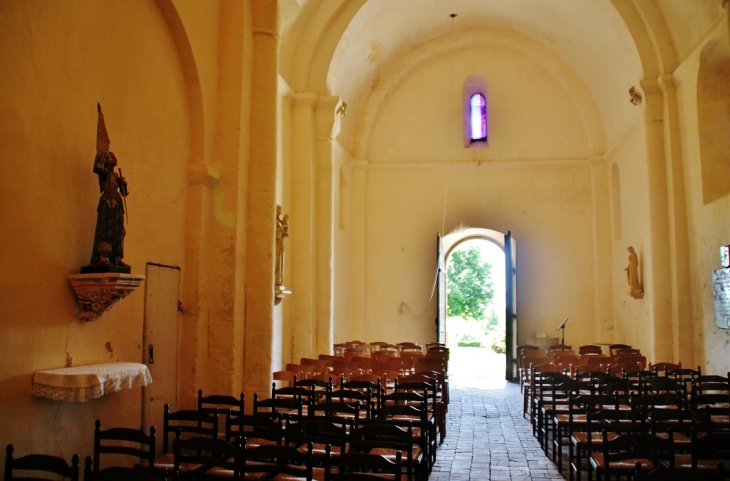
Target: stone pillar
{"points": [[302, 229], [602, 285], [261, 222], [682, 330], [327, 127], [656, 269]]}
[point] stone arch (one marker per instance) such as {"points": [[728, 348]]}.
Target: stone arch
{"points": [[713, 116], [190, 73]]}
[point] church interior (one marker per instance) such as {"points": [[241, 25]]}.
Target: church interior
{"points": [[607, 131]]}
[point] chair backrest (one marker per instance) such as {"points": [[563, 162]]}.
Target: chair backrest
{"points": [[368, 401], [612, 348], [117, 441], [664, 368], [209, 453], [189, 422], [255, 429], [561, 347], [590, 349], [277, 460], [316, 431], [277, 408], [289, 377], [52, 466], [336, 412]]}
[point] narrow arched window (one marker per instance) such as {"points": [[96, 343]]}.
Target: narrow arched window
{"points": [[478, 117], [476, 127]]}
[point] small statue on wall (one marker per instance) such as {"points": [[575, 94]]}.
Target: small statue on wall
{"points": [[632, 273], [108, 250], [282, 231]]}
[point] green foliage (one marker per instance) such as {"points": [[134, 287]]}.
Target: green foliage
{"points": [[470, 288], [469, 344], [499, 344]]}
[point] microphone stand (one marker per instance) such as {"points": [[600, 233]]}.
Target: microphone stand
{"points": [[562, 328]]}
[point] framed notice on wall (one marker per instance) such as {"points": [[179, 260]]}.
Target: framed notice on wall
{"points": [[721, 293]]}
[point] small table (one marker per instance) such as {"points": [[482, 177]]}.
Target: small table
{"points": [[542, 342], [81, 383]]}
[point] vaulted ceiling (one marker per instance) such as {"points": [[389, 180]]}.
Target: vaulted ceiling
{"points": [[352, 48]]}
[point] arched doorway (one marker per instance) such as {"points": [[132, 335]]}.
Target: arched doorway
{"points": [[477, 314]]}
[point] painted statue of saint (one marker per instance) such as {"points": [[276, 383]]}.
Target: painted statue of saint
{"points": [[282, 231], [632, 275], [108, 247]]}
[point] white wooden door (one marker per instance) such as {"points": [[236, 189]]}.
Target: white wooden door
{"points": [[160, 343]]}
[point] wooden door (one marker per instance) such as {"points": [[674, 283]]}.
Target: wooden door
{"points": [[440, 291], [510, 269], [160, 343]]}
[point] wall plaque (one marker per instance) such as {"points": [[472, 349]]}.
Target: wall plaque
{"points": [[721, 293]]}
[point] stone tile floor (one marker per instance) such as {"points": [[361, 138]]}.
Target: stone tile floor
{"points": [[487, 438]]}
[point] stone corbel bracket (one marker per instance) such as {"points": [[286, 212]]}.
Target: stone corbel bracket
{"points": [[97, 293]]}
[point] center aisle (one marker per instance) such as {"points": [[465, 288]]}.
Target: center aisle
{"points": [[487, 438]]}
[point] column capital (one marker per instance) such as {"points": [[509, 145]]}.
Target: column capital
{"points": [[304, 99], [327, 120]]}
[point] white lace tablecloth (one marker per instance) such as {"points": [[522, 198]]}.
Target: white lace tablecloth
{"points": [[81, 383]]}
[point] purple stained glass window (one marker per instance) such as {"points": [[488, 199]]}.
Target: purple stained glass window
{"points": [[478, 117]]}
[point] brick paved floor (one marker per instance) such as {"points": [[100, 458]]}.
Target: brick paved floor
{"points": [[487, 438]]}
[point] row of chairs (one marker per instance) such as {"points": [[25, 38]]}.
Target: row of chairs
{"points": [[560, 408]]}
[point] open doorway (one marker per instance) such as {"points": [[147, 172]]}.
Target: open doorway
{"points": [[474, 307]]}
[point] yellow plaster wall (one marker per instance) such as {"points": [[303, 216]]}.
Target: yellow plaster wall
{"points": [[57, 60], [530, 114], [533, 180], [708, 224], [632, 323]]}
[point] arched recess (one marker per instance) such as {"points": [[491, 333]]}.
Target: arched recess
{"points": [[713, 106], [579, 95]]}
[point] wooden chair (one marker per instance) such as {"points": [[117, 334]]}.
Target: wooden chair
{"points": [[389, 440], [708, 449], [362, 467], [528, 393], [124, 441], [561, 347], [620, 455], [320, 434], [191, 423], [527, 358], [51, 466], [220, 404]]}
